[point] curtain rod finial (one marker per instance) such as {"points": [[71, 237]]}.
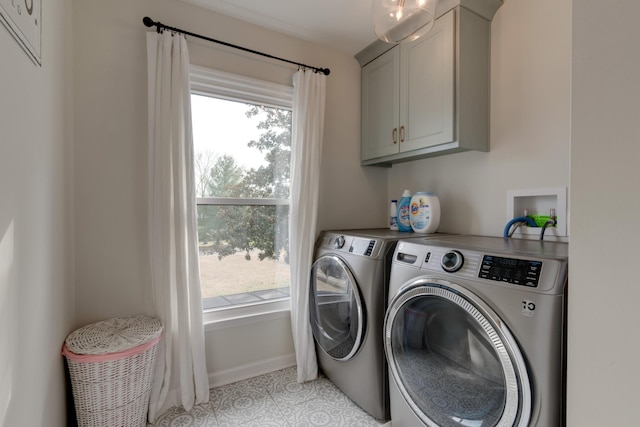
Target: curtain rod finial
{"points": [[148, 22]]}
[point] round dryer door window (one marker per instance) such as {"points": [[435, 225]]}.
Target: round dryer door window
{"points": [[336, 308], [453, 361]]}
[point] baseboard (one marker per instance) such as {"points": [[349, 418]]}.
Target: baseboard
{"points": [[228, 376]]}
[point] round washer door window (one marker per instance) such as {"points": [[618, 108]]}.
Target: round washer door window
{"points": [[452, 362], [336, 308]]}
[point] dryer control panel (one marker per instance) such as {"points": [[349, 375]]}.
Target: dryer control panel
{"points": [[352, 244], [362, 246]]}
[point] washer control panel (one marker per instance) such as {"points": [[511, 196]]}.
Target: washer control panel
{"points": [[471, 264], [485, 261], [510, 270]]}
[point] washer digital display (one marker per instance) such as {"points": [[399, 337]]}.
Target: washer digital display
{"points": [[511, 270]]}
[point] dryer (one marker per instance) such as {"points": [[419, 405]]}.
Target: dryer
{"points": [[347, 302], [475, 332]]}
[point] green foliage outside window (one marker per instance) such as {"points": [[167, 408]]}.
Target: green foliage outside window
{"points": [[228, 229]]}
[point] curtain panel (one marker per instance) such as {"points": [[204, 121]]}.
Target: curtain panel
{"points": [[306, 150], [181, 377]]}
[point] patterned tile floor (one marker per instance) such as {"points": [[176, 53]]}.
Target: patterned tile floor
{"points": [[275, 399]]}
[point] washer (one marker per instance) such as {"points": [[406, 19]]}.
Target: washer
{"points": [[347, 302], [475, 332]]}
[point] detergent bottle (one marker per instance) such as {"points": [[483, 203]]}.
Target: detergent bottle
{"points": [[404, 212], [425, 212], [393, 215]]}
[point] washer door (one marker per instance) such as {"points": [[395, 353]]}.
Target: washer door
{"points": [[336, 307], [453, 360]]}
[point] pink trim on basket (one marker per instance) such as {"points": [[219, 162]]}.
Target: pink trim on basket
{"points": [[108, 357]]}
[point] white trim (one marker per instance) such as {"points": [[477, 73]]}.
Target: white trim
{"points": [[223, 318], [208, 82], [228, 376], [233, 87], [240, 201]]}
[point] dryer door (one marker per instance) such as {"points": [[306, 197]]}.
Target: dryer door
{"points": [[336, 307], [453, 360]]}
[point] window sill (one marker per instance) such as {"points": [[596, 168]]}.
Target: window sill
{"points": [[246, 314]]}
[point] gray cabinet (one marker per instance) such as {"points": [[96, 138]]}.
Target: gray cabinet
{"points": [[380, 110], [428, 97]]}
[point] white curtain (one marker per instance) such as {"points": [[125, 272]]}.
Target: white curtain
{"points": [[306, 150], [181, 374]]}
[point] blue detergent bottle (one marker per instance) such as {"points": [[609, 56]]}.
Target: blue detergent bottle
{"points": [[404, 212]]}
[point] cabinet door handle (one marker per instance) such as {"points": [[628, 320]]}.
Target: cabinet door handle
{"points": [[394, 135], [402, 134]]}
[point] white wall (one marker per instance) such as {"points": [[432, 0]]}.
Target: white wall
{"points": [[530, 115], [112, 274], [255, 346], [36, 285], [603, 316]]}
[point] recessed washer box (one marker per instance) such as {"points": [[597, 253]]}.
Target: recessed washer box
{"points": [[539, 202]]}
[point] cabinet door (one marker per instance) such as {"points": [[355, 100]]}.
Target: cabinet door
{"points": [[427, 114], [380, 105]]}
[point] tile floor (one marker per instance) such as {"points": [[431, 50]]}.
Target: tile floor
{"points": [[274, 399]]}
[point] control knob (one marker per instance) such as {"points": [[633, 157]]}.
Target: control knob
{"points": [[339, 242], [452, 261]]}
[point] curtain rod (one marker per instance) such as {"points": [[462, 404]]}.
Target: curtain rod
{"points": [[160, 26]]}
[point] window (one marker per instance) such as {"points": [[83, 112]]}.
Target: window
{"points": [[242, 147]]}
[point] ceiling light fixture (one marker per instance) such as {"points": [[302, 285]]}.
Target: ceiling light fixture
{"points": [[403, 20]]}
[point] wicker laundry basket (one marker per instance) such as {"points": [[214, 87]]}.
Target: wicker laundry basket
{"points": [[111, 366]]}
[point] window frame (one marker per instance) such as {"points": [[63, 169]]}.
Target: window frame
{"points": [[222, 85]]}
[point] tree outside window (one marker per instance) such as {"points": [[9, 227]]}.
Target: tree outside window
{"points": [[242, 184]]}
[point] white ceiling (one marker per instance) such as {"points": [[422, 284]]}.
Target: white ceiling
{"points": [[346, 25]]}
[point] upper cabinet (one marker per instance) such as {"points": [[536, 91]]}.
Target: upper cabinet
{"points": [[429, 97]]}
